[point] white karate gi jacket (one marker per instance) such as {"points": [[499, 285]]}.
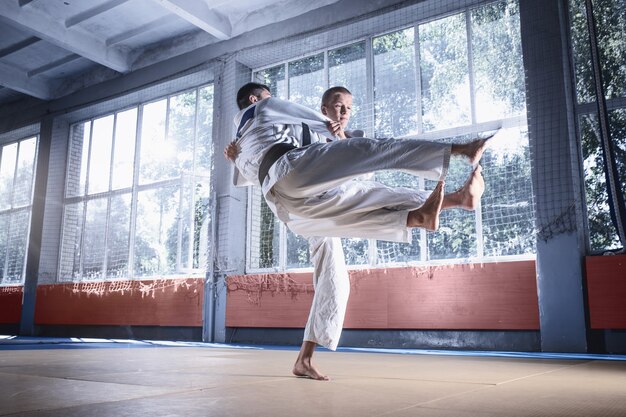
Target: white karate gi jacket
{"points": [[311, 189]]}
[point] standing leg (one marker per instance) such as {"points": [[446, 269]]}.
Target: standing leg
{"points": [[332, 288]]}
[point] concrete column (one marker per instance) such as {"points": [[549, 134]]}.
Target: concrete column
{"points": [[27, 322], [231, 202], [556, 175]]}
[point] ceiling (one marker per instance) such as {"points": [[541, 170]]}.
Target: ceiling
{"points": [[52, 48]]}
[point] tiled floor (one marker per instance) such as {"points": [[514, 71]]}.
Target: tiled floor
{"points": [[121, 379]]}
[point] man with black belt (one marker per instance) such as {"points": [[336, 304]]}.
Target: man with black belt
{"points": [[330, 274], [309, 188]]}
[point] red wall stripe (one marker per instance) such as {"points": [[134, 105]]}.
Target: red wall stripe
{"points": [[488, 296], [10, 304], [606, 290], [491, 296], [159, 302]]}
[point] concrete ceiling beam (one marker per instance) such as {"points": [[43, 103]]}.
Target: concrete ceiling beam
{"points": [[198, 13], [11, 77], [73, 39]]}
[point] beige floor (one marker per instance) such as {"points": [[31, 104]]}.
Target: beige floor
{"points": [[210, 381]]}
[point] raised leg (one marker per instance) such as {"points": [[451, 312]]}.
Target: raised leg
{"points": [[427, 216], [472, 150], [467, 197]]}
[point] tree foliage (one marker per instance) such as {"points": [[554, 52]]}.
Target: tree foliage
{"points": [[610, 17], [442, 71]]}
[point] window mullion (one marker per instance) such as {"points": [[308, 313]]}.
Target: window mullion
{"points": [[369, 126], [134, 194], [372, 247], [180, 223], [85, 191], [108, 211], [470, 65], [282, 253], [418, 78], [423, 236], [6, 255], [34, 173], [10, 213], [287, 86], [106, 237], [17, 160], [369, 76], [23, 272], [480, 252], [282, 245], [82, 240], [192, 197], [250, 193], [112, 158], [181, 186], [326, 70]]}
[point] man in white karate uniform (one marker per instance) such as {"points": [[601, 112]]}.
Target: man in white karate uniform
{"points": [[330, 274], [331, 281]]}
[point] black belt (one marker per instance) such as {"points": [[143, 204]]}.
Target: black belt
{"points": [[279, 150], [271, 157]]}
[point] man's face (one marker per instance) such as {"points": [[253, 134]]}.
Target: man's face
{"points": [[339, 109]]}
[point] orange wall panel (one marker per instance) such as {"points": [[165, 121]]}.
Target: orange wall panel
{"points": [[159, 302], [606, 291], [264, 300], [500, 296], [10, 304], [494, 296]]}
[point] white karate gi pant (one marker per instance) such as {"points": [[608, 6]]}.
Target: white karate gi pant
{"points": [[314, 195], [332, 288]]}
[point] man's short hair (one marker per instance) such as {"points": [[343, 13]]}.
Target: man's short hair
{"points": [[331, 92], [250, 89]]}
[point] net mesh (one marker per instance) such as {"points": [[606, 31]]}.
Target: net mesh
{"points": [[138, 183], [437, 70], [426, 71], [17, 170], [146, 289], [610, 34]]}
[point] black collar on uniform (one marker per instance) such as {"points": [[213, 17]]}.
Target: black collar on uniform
{"points": [[249, 114], [306, 135]]}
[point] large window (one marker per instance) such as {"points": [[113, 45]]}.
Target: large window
{"points": [[611, 33], [137, 191], [17, 173], [439, 80]]}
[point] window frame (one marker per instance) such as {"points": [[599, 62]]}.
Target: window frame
{"points": [[134, 189], [472, 128], [12, 210], [583, 109]]}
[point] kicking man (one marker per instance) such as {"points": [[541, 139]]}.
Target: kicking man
{"points": [[330, 274]]}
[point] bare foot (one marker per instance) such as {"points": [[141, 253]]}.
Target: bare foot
{"points": [[427, 216], [307, 370], [473, 190], [472, 150]]}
